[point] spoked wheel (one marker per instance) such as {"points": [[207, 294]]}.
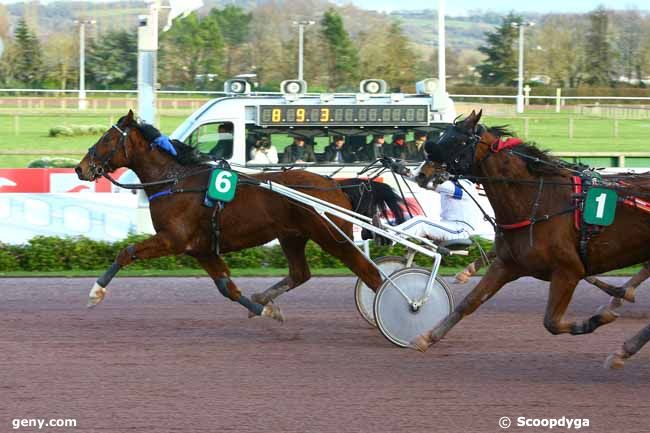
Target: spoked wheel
{"points": [[401, 322], [364, 297]]}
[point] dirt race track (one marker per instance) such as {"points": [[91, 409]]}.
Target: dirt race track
{"points": [[171, 354]]}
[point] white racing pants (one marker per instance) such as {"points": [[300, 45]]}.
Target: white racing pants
{"points": [[442, 230]]}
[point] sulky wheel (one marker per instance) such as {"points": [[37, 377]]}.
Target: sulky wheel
{"points": [[364, 297], [399, 321]]}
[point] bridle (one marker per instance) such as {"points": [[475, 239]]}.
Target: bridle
{"points": [[460, 159], [100, 166]]}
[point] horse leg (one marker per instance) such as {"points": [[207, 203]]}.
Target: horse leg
{"points": [[294, 251], [563, 285], [626, 291], [218, 270], [158, 245], [497, 275], [463, 276], [630, 347]]}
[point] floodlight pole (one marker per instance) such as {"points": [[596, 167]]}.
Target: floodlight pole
{"points": [[147, 62], [520, 77], [83, 102], [442, 73], [301, 36]]}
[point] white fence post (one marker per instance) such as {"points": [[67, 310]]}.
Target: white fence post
{"points": [[558, 99]]}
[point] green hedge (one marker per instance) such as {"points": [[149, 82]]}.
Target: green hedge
{"points": [[57, 162], [75, 130], [43, 253]]}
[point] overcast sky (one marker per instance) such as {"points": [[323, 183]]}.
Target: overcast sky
{"points": [[460, 7]]}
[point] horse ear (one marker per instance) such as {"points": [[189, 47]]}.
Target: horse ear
{"points": [[472, 120], [129, 117], [478, 116]]}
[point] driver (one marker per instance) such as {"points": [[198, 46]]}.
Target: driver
{"points": [[460, 216]]}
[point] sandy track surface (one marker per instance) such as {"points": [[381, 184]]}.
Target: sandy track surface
{"points": [[171, 354]]}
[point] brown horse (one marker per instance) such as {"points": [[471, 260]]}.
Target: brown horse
{"points": [[532, 197], [176, 188], [434, 172]]}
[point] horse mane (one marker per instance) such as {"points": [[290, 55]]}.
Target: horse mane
{"points": [[186, 153], [538, 161]]}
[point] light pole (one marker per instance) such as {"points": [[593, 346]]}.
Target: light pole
{"points": [[147, 62], [301, 34], [83, 102], [442, 73], [520, 79]]}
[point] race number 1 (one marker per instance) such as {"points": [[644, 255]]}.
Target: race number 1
{"points": [[600, 206], [223, 185]]}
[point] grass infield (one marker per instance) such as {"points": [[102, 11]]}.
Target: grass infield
{"points": [[24, 132]]}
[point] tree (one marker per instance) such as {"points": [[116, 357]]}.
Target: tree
{"points": [[112, 61], [500, 67], [62, 59], [235, 26], [342, 57], [191, 53], [628, 33], [386, 52], [562, 55], [28, 67], [598, 66]]}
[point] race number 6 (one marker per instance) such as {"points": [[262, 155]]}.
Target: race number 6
{"points": [[223, 185], [223, 181]]}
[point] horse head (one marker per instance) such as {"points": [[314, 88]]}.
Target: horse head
{"points": [[112, 151], [456, 147]]}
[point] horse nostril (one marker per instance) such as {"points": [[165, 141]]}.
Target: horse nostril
{"points": [[78, 170]]}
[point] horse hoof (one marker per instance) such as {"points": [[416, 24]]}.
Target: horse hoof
{"points": [[421, 343], [615, 361], [462, 277], [96, 295], [615, 303], [273, 311], [607, 315], [629, 294], [259, 298]]}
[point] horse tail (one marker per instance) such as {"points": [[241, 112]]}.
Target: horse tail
{"points": [[368, 197]]}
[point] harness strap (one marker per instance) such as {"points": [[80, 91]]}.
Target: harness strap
{"points": [[508, 143], [160, 194]]}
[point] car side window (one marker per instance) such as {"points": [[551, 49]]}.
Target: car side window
{"points": [[215, 139]]}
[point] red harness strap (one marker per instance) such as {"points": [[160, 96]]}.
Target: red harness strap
{"points": [[637, 203], [520, 224], [508, 143], [577, 191]]}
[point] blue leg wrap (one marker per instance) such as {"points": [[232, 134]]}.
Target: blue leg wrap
{"points": [[222, 285], [108, 275], [250, 305]]}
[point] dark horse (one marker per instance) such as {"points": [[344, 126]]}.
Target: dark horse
{"points": [[526, 185], [436, 173], [255, 216]]}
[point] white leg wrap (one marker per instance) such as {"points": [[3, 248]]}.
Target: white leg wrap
{"points": [[97, 294]]}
